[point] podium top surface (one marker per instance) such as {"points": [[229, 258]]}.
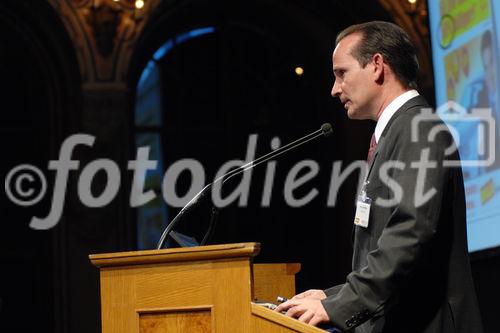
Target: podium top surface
{"points": [[209, 252]]}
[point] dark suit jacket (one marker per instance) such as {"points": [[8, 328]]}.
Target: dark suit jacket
{"points": [[411, 270]]}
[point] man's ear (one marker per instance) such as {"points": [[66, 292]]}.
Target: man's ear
{"points": [[378, 67]]}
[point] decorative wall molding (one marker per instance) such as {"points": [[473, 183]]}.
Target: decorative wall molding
{"points": [[104, 33]]}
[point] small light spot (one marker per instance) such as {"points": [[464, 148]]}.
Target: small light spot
{"points": [[139, 4], [299, 71]]}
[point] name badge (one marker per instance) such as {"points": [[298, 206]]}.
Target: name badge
{"points": [[362, 216]]}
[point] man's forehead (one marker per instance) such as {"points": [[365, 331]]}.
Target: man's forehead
{"points": [[346, 44], [342, 60]]}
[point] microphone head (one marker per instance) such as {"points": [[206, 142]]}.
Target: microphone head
{"points": [[327, 130]]}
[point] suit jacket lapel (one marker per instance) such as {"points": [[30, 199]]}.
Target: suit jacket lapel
{"points": [[415, 101]]}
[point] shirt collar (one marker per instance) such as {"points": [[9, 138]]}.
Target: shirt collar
{"points": [[391, 109]]}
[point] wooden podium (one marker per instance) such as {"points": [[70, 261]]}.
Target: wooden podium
{"points": [[196, 290]]}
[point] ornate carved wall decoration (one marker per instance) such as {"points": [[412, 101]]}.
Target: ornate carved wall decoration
{"points": [[104, 33]]}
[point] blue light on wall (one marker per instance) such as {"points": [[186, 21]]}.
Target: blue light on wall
{"points": [[152, 218]]}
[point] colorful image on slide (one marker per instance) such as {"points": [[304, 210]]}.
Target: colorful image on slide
{"points": [[457, 17], [468, 72]]}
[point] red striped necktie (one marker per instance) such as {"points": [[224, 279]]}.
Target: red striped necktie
{"points": [[373, 146]]}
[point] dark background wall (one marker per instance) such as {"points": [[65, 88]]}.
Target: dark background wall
{"points": [[39, 98], [218, 90]]}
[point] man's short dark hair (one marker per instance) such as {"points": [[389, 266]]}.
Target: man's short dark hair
{"points": [[392, 42]]}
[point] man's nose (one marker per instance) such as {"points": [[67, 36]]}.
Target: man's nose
{"points": [[336, 89]]}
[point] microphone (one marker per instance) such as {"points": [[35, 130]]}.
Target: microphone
{"points": [[325, 130]]}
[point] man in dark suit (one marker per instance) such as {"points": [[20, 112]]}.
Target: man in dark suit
{"points": [[411, 271]]}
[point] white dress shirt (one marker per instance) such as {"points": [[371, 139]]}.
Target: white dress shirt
{"points": [[391, 109]]}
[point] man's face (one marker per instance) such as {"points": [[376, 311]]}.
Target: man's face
{"points": [[354, 85]]}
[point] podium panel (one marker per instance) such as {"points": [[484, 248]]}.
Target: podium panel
{"points": [[176, 320], [271, 280], [198, 289]]}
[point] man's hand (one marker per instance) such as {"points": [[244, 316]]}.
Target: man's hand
{"points": [[307, 310], [311, 293]]}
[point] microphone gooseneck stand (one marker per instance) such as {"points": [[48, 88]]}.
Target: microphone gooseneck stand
{"points": [[325, 130]]}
